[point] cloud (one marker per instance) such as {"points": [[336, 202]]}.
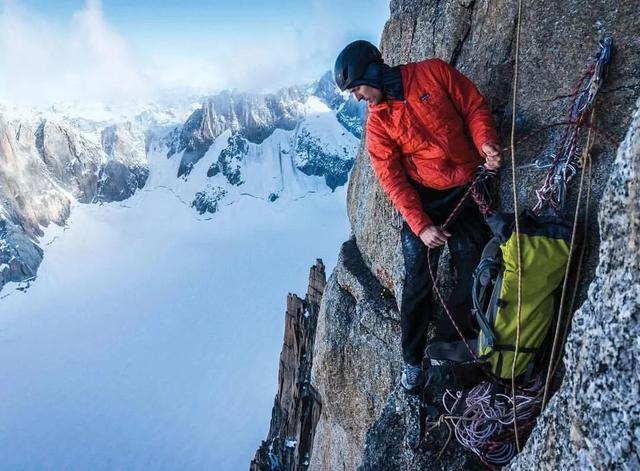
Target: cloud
{"points": [[305, 48], [43, 62], [85, 58], [297, 50], [100, 53]]}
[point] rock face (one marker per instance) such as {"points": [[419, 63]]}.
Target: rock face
{"points": [[20, 256], [254, 116], [365, 423], [69, 159], [127, 169], [230, 160], [367, 420], [478, 38], [314, 159], [297, 404], [46, 165], [352, 381], [207, 201]]}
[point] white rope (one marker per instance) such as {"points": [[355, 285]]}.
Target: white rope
{"points": [[482, 419]]}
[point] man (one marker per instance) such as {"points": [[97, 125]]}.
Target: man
{"points": [[428, 130]]}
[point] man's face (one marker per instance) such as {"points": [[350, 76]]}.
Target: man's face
{"points": [[371, 95]]}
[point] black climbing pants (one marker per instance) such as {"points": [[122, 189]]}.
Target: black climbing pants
{"points": [[469, 234]]}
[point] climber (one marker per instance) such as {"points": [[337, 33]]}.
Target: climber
{"points": [[427, 128]]}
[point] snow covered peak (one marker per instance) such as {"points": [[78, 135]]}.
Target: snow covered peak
{"points": [[327, 91], [349, 112], [210, 152], [308, 127]]}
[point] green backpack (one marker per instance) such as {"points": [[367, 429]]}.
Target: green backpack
{"points": [[544, 246]]}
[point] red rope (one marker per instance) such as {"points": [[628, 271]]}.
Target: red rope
{"points": [[485, 208]]}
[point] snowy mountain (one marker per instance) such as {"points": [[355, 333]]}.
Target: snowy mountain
{"points": [[210, 153]]}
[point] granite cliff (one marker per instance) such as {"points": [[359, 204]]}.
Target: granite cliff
{"points": [[297, 405]]}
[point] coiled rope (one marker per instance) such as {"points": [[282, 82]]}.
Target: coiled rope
{"points": [[485, 416]]}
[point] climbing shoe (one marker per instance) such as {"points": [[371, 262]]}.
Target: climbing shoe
{"points": [[411, 377]]}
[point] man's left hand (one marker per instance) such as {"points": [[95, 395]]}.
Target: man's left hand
{"points": [[493, 155]]}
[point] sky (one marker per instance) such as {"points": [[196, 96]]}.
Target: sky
{"points": [[117, 50]]}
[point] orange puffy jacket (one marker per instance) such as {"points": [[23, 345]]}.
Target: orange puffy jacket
{"points": [[434, 136]]}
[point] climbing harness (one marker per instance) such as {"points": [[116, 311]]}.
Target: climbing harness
{"points": [[515, 320]]}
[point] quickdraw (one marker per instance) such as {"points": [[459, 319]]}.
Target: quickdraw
{"points": [[564, 165]]}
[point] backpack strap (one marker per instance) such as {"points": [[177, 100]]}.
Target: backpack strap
{"points": [[488, 273]]}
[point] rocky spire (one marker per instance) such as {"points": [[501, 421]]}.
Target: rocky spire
{"points": [[297, 404]]}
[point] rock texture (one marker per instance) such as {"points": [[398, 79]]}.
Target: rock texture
{"points": [[365, 423], [367, 420], [313, 158], [297, 404], [208, 200], [349, 372], [230, 160], [127, 169], [478, 37]]}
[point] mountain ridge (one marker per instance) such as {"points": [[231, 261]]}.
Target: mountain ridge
{"points": [[50, 159]]}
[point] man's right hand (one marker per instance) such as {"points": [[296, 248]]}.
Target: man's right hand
{"points": [[493, 156], [433, 236]]}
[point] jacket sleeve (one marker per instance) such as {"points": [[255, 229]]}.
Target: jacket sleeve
{"points": [[469, 102], [385, 159]]}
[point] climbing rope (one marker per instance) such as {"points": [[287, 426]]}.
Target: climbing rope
{"points": [[477, 190], [486, 415], [580, 260], [517, 224], [559, 316]]}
